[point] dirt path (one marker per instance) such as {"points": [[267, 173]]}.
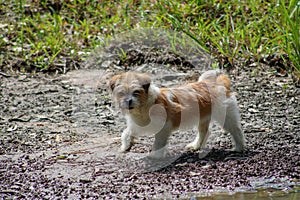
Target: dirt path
{"points": [[59, 138]]}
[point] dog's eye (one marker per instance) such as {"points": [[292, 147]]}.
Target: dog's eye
{"points": [[121, 94], [136, 93]]}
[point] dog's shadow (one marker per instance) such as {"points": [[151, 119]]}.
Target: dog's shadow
{"points": [[176, 162]]}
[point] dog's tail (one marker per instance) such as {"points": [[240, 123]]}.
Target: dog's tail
{"points": [[216, 76]]}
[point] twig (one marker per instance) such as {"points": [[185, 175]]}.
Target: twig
{"points": [[5, 75], [13, 192]]}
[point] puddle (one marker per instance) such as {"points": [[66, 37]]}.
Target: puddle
{"points": [[260, 189], [259, 194]]}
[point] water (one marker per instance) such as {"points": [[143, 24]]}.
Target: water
{"points": [[260, 194]]}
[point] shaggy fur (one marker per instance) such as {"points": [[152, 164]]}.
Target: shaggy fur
{"points": [[150, 110]]}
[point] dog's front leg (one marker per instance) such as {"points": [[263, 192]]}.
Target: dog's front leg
{"points": [[126, 140], [160, 142]]}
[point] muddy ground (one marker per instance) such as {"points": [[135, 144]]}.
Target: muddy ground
{"points": [[59, 138]]}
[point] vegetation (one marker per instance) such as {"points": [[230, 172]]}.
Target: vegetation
{"points": [[43, 34]]}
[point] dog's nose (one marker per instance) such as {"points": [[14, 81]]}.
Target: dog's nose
{"points": [[129, 103]]}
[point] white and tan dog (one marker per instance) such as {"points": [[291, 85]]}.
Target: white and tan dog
{"points": [[160, 111]]}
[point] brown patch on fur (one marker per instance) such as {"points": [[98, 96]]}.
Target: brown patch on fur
{"points": [[113, 80], [173, 110], [224, 80], [180, 99], [127, 78]]}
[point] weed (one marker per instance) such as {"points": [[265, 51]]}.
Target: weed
{"points": [[290, 30], [235, 31]]}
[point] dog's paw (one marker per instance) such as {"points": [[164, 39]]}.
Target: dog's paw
{"points": [[158, 154], [124, 148], [193, 146], [239, 149]]}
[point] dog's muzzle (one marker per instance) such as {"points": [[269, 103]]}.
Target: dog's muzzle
{"points": [[127, 104]]}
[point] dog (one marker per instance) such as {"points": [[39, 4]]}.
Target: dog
{"points": [[160, 111]]}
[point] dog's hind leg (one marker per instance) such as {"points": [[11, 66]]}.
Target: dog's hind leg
{"points": [[232, 124]]}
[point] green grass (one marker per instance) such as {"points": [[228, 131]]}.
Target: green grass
{"points": [[290, 29], [43, 33]]}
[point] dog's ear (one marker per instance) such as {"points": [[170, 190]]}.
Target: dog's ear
{"points": [[146, 87], [145, 81], [113, 80]]}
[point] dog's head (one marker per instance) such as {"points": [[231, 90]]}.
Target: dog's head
{"points": [[130, 90]]}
